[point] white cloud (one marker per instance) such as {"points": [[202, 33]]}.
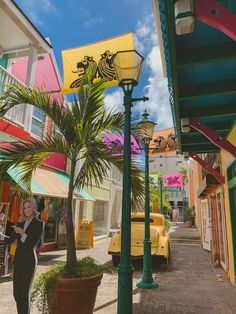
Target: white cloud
{"points": [[89, 20], [158, 106], [35, 8], [114, 101], [157, 91]]}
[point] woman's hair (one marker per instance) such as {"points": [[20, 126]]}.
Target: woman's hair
{"points": [[33, 205]]}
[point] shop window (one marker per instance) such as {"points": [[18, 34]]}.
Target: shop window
{"points": [[172, 203], [100, 217], [180, 204], [50, 206]]}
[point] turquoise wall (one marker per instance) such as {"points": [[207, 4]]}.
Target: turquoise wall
{"points": [[3, 61]]}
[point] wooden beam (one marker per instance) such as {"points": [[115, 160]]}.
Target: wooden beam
{"points": [[204, 110], [201, 148], [206, 54], [212, 13], [203, 90], [218, 176], [213, 136]]}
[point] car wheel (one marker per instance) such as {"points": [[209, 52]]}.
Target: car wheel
{"points": [[166, 260], [115, 260]]}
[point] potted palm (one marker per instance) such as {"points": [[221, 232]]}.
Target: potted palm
{"points": [[85, 274], [82, 126], [189, 214]]}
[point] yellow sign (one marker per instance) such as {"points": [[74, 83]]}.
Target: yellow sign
{"points": [[97, 56], [84, 239]]}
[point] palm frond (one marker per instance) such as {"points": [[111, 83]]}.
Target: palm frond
{"points": [[137, 182], [61, 116], [25, 157]]}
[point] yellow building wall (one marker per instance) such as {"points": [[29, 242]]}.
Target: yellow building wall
{"points": [[102, 192], [90, 206], [226, 160]]}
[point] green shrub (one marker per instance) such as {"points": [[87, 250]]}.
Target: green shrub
{"points": [[44, 283], [167, 224]]}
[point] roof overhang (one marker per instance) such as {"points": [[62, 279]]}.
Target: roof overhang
{"points": [[201, 67], [18, 34]]}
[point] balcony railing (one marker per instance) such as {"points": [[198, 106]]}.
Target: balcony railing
{"points": [[16, 114]]}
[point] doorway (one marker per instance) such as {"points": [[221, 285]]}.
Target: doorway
{"points": [[206, 225], [221, 228], [215, 232]]}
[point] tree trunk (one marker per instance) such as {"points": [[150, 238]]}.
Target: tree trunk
{"points": [[70, 235]]}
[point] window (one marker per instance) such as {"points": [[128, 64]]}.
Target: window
{"points": [[56, 130], [38, 121], [116, 174], [100, 217]]}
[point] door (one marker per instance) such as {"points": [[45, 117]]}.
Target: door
{"points": [[206, 225], [221, 228], [215, 232]]}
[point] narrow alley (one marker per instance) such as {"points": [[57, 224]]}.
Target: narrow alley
{"points": [[188, 285]]}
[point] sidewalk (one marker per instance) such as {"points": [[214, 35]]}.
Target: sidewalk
{"points": [[188, 285]]}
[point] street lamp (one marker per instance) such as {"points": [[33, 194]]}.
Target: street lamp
{"points": [[145, 129], [160, 192], [127, 65]]}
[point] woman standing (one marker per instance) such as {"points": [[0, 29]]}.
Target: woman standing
{"points": [[28, 233], [176, 215]]}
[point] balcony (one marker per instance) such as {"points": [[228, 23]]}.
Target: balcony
{"points": [[17, 114]]}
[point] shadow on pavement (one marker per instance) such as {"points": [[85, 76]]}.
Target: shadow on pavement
{"points": [[48, 259]]}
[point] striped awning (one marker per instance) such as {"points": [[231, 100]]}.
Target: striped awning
{"points": [[51, 183]]}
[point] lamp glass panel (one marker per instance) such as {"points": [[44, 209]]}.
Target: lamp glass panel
{"points": [[127, 65], [145, 129]]}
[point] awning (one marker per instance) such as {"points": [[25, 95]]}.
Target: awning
{"points": [[201, 67], [50, 182]]}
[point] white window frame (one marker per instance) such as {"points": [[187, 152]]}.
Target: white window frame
{"points": [[37, 119], [222, 224]]}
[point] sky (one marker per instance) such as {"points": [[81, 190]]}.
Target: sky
{"points": [[73, 23]]}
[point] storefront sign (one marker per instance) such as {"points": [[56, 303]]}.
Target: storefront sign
{"points": [[84, 239], [173, 180]]}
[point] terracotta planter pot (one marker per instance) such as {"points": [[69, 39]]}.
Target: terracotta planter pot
{"points": [[76, 295], [189, 223]]}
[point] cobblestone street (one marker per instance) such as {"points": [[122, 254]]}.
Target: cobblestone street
{"points": [[188, 285]]}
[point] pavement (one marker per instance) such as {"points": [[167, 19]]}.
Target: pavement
{"points": [[189, 284]]}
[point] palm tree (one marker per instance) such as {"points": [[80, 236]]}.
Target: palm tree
{"points": [[155, 193], [82, 125], [155, 199]]}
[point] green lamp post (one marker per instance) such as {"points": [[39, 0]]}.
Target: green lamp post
{"points": [[160, 192], [145, 129], [127, 65]]}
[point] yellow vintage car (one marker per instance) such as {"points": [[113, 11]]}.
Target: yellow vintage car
{"points": [[160, 239]]}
